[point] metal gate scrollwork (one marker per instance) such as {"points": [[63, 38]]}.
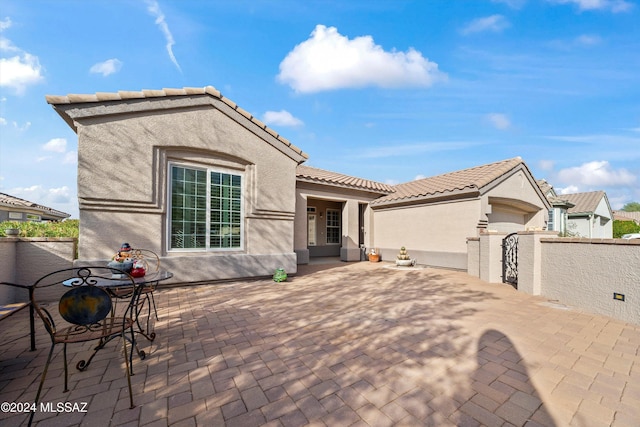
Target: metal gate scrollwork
{"points": [[510, 259]]}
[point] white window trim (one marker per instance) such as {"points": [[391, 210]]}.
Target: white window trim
{"points": [[208, 170]]}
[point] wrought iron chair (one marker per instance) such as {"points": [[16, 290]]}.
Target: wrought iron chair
{"points": [[86, 313]]}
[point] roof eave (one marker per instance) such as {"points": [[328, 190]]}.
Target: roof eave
{"points": [[467, 193]]}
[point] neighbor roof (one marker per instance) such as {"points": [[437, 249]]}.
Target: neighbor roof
{"points": [[628, 216], [7, 200], [449, 184], [584, 202], [320, 176], [102, 97]]}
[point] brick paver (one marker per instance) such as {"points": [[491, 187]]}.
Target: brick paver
{"points": [[347, 344]]}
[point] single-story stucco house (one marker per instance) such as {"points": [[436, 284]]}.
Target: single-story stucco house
{"points": [[189, 174], [16, 209], [433, 217], [590, 216]]}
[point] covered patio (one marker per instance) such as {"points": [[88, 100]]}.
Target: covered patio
{"points": [[347, 344]]}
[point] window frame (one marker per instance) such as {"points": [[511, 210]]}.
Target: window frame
{"points": [[327, 226], [208, 169]]}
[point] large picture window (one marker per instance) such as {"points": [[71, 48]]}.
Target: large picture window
{"points": [[206, 209]]}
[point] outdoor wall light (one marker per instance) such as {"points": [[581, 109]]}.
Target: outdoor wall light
{"points": [[618, 297]]}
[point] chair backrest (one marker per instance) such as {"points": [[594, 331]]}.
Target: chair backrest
{"points": [[86, 301], [150, 259]]}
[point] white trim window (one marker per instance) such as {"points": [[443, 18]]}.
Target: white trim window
{"points": [[206, 209], [333, 227]]}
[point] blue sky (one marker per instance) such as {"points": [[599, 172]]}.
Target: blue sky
{"points": [[385, 90]]}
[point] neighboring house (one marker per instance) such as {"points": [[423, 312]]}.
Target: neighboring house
{"points": [[187, 174], [16, 209], [591, 216], [433, 217], [627, 216], [558, 214]]}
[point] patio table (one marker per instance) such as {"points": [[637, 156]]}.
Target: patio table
{"points": [[119, 290]]}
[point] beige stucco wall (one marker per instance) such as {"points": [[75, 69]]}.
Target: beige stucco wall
{"points": [[24, 260], [7, 268], [433, 234], [123, 155], [436, 233], [585, 273]]}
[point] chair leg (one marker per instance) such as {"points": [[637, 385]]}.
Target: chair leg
{"points": [[128, 364], [44, 374], [66, 369], [155, 310]]}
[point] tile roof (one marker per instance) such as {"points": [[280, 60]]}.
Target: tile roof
{"points": [[448, 184], [584, 202], [99, 97], [545, 187], [629, 216], [320, 176], [17, 202]]}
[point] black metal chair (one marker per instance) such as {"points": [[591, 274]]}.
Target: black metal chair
{"points": [[86, 313]]}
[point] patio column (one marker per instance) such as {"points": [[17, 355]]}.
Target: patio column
{"points": [[350, 231], [530, 260], [491, 256], [300, 244]]}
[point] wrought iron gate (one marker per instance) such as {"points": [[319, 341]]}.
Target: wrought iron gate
{"points": [[510, 259]]}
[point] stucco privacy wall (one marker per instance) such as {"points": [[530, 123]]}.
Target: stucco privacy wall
{"points": [[577, 272], [125, 148], [24, 260], [586, 273]]}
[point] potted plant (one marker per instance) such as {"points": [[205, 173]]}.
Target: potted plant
{"points": [[11, 232], [374, 256], [403, 259]]}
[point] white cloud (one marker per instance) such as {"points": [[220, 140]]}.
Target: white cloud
{"points": [[43, 196], [419, 176], [571, 189], [546, 165], [3, 121], [393, 150], [20, 70], [70, 158], [614, 6], [5, 23], [494, 23], [329, 60], [596, 174], [281, 118], [57, 145], [514, 4], [154, 9], [499, 121], [588, 40], [107, 67], [23, 128]]}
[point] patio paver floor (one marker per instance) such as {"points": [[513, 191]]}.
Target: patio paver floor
{"points": [[348, 344]]}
